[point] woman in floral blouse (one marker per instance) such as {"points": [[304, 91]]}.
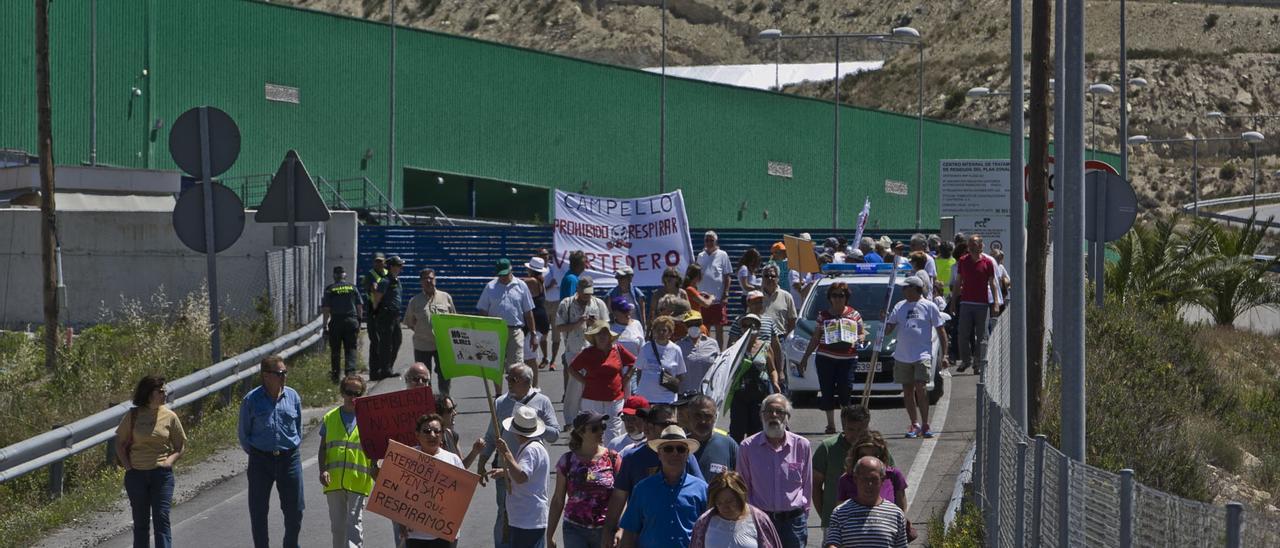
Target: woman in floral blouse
{"points": [[584, 481]]}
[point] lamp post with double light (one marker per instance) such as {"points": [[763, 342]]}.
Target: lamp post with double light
{"points": [[899, 32]]}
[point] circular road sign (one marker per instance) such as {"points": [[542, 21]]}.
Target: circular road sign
{"points": [[228, 217], [224, 142]]}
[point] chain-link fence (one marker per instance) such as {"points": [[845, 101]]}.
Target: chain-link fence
{"points": [[295, 280], [1031, 494]]}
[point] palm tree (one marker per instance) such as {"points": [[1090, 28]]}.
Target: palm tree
{"points": [[1152, 266], [1234, 281]]}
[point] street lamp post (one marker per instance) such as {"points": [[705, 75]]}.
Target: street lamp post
{"points": [[1251, 137], [898, 32], [662, 114]]}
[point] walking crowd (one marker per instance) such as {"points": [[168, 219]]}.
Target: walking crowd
{"points": [[646, 465]]}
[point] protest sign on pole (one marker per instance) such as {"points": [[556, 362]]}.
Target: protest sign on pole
{"points": [[647, 234], [471, 346], [862, 221], [421, 492], [391, 416], [801, 256], [721, 378]]}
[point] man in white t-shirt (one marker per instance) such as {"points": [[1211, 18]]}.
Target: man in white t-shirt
{"points": [[716, 273], [913, 354], [528, 471]]}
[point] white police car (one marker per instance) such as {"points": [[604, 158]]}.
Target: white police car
{"points": [[868, 284]]}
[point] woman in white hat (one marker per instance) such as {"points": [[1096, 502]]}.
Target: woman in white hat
{"points": [[527, 472], [537, 267]]}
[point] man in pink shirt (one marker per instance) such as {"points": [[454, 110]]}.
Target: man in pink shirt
{"points": [[776, 465]]}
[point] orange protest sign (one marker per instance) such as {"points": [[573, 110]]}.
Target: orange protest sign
{"points": [[800, 255], [422, 492], [391, 416]]}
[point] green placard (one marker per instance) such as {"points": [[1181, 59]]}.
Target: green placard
{"points": [[470, 346]]}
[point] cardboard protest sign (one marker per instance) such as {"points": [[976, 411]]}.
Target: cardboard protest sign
{"points": [[801, 256], [391, 416], [422, 492], [471, 346]]}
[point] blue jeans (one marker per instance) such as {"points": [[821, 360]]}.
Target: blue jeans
{"points": [[285, 471], [793, 532], [528, 538], [835, 379], [577, 536], [150, 496]]}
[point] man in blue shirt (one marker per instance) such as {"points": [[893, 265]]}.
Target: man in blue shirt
{"points": [[663, 507], [640, 462], [270, 432]]}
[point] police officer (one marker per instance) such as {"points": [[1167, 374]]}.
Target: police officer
{"points": [[367, 284], [342, 309], [385, 323]]}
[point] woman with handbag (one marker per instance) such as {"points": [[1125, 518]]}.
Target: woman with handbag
{"points": [[603, 368], [148, 441], [660, 364]]}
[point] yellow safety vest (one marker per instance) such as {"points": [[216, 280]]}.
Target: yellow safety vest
{"points": [[944, 273], [348, 467]]}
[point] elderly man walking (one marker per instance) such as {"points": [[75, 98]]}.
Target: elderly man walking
{"points": [[270, 431], [717, 452], [573, 318], [639, 462], [776, 465], [520, 393], [867, 520], [508, 297], [912, 356], [717, 270], [663, 507], [422, 307]]}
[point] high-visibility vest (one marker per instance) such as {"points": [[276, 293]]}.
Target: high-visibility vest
{"points": [[348, 467], [944, 272]]}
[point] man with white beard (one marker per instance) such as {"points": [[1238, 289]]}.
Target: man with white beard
{"points": [[776, 465]]}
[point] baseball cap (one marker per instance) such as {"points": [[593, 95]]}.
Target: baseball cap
{"points": [[503, 266], [692, 316], [339, 270], [395, 260], [379, 256], [915, 281], [585, 285], [778, 246], [624, 270], [755, 294], [586, 418], [856, 253], [633, 404]]}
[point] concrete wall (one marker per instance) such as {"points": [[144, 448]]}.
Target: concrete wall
{"points": [[112, 256]]}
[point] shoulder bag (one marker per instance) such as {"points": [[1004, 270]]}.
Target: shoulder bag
{"points": [[667, 380]]}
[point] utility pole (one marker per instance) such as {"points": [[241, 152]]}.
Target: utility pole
{"points": [[48, 220], [1038, 208]]}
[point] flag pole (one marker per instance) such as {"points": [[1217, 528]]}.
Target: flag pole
{"points": [[875, 349]]}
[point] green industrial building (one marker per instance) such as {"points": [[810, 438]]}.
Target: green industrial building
{"points": [[510, 123]]}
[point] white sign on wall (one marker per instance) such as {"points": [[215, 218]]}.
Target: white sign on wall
{"points": [[976, 193]]}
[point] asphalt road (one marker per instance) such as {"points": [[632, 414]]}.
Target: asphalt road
{"points": [[218, 517]]}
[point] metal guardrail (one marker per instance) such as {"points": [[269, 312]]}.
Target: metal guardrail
{"points": [[58, 444], [1228, 201]]}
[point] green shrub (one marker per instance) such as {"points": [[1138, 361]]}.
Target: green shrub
{"points": [[1210, 21], [1228, 171], [965, 532], [954, 100]]}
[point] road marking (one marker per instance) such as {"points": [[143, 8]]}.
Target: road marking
{"points": [[926, 447], [239, 495]]}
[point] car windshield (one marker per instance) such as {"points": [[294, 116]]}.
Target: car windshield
{"points": [[867, 299]]}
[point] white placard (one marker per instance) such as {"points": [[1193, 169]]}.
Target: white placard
{"points": [[648, 234], [976, 193]]}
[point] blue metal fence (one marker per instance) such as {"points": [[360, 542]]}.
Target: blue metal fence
{"points": [[464, 256]]}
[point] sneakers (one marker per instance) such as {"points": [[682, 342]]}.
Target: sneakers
{"points": [[964, 366], [914, 431], [926, 431]]}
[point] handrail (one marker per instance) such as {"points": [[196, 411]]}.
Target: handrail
{"points": [[337, 195], [65, 441], [369, 184], [439, 213]]}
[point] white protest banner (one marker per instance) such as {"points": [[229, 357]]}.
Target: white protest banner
{"points": [[648, 234], [719, 380]]}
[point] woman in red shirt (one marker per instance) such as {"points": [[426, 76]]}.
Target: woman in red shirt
{"points": [[697, 299], [835, 338], [603, 368]]}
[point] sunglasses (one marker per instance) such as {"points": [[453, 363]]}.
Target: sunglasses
{"points": [[351, 394], [682, 449], [430, 431], [282, 373]]}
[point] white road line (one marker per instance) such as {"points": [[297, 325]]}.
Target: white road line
{"points": [[926, 447], [239, 495]]}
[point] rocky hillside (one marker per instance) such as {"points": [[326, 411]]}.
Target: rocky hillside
{"points": [[1197, 58]]}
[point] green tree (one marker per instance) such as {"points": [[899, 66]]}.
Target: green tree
{"points": [[1152, 267], [1224, 263]]}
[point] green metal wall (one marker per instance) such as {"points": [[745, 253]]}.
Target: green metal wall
{"points": [[464, 107]]}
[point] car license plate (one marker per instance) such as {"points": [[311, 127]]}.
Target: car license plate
{"points": [[862, 367]]}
